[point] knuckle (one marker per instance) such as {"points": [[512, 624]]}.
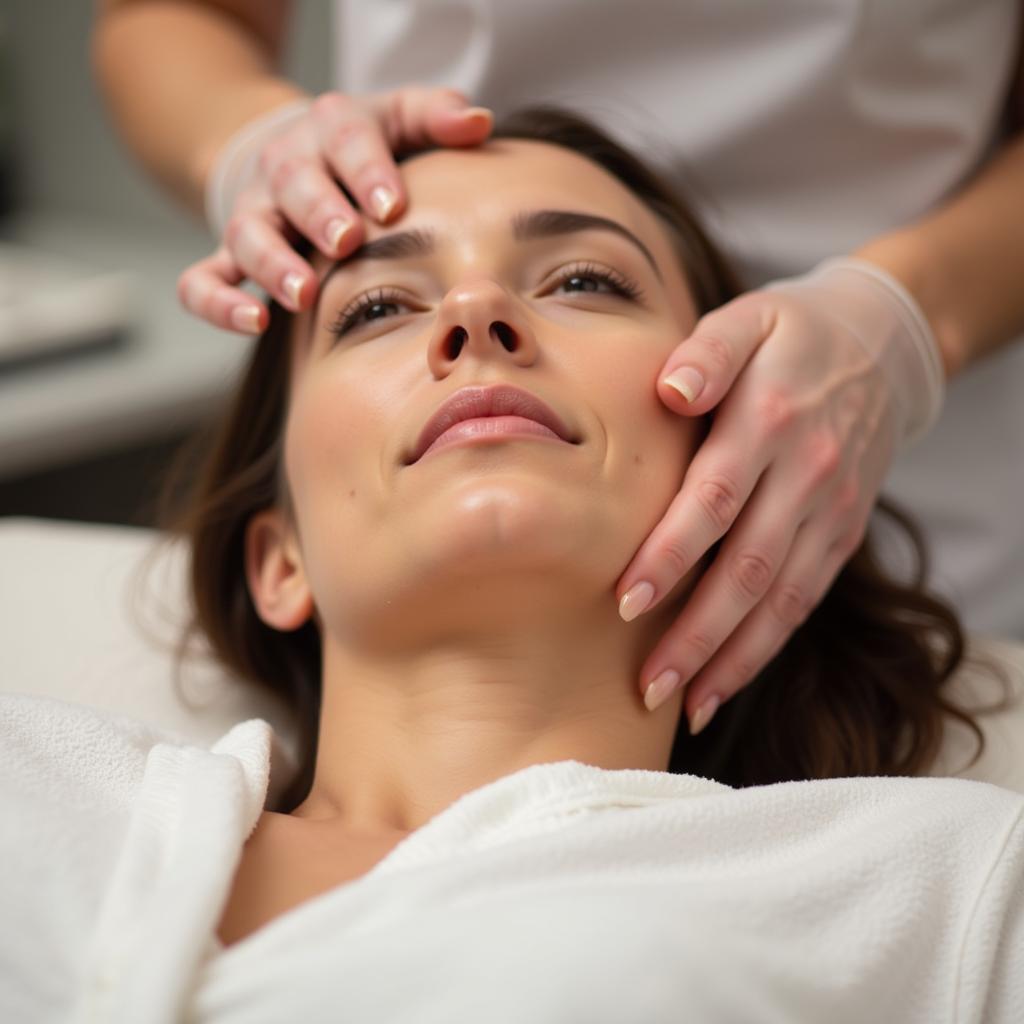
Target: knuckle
{"points": [[282, 174], [390, 111], [233, 230], [183, 288], [417, 95], [701, 643], [447, 91], [775, 411], [719, 498], [676, 559], [345, 132], [329, 104], [272, 153], [328, 208], [742, 668], [718, 352], [791, 604], [823, 459], [268, 270], [847, 497], [218, 308], [194, 295], [751, 573]]}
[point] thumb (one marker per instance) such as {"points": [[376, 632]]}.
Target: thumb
{"points": [[702, 368], [451, 121]]}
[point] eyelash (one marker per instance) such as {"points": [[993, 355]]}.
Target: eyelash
{"points": [[347, 318]]}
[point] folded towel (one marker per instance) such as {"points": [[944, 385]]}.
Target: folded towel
{"points": [[560, 892]]}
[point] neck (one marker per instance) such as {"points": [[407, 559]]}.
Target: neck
{"points": [[404, 732]]}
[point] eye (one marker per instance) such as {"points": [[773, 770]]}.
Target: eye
{"points": [[384, 301], [372, 302], [588, 272]]}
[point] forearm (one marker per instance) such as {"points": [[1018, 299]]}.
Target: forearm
{"points": [[180, 79], [964, 262]]}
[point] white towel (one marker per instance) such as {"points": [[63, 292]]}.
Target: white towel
{"points": [[562, 892]]}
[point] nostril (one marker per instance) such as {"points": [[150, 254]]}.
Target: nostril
{"points": [[456, 340], [505, 334]]}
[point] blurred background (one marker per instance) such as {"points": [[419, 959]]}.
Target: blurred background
{"points": [[102, 372]]}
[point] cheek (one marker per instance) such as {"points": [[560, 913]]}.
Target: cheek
{"points": [[345, 437], [321, 443], [649, 447]]}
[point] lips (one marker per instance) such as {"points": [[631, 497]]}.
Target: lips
{"points": [[497, 400]]}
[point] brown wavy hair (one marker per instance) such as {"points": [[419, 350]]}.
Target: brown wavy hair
{"points": [[856, 691]]}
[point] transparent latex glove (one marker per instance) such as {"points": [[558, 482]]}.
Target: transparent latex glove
{"points": [[816, 383]]}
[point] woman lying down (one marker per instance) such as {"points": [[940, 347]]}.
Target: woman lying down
{"points": [[489, 824]]}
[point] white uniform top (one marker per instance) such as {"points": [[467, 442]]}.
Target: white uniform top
{"points": [[560, 892], [799, 129]]}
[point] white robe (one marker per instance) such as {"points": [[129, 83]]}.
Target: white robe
{"points": [[562, 892]]}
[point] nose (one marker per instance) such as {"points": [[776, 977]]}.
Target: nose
{"points": [[481, 319]]}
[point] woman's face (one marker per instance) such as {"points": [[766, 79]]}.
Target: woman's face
{"points": [[506, 530]]}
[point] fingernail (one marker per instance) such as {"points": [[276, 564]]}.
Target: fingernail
{"points": [[383, 200], [292, 286], [687, 381], [335, 230], [474, 112], [704, 715], [661, 689], [636, 600], [246, 318]]}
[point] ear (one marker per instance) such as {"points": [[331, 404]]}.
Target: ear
{"points": [[274, 571]]}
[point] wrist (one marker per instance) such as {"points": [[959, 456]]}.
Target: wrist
{"points": [[240, 107], [894, 255], [887, 323], [910, 354]]}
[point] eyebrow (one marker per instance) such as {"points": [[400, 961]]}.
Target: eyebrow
{"points": [[526, 227]]}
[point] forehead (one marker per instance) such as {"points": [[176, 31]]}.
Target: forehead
{"points": [[512, 171], [460, 191]]}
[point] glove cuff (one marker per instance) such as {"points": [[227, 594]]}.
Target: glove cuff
{"points": [[236, 162], [892, 329]]}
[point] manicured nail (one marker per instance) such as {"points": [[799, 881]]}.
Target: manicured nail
{"points": [[292, 286], [704, 715], [661, 689], [383, 200], [467, 112], [246, 318], [636, 600], [687, 381], [335, 231]]}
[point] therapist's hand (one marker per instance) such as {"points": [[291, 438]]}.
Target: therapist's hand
{"points": [[293, 192], [816, 382]]}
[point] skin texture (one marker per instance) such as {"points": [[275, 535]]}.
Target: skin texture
{"points": [[467, 602]]}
